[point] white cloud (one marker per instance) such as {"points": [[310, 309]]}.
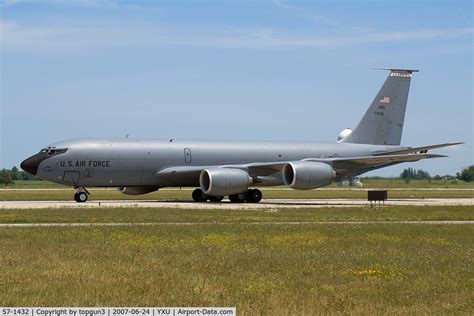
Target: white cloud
{"points": [[66, 38]]}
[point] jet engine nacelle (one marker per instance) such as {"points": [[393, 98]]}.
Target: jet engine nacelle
{"points": [[304, 175], [224, 181], [136, 190]]}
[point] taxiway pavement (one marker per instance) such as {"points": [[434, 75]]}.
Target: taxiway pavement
{"points": [[264, 204]]}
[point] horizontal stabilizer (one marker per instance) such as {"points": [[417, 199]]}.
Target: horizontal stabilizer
{"points": [[397, 69]]}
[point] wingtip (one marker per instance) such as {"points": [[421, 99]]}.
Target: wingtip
{"points": [[435, 156], [452, 144]]}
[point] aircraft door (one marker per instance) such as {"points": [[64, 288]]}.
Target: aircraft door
{"points": [[187, 155], [71, 177]]}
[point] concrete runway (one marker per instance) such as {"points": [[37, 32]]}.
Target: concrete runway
{"points": [[264, 204]]}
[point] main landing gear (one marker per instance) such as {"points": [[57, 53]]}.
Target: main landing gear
{"points": [[81, 195], [249, 196]]}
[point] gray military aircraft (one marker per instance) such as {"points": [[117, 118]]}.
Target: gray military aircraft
{"points": [[230, 168]]}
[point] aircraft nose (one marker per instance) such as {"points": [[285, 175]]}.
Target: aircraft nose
{"points": [[31, 164]]}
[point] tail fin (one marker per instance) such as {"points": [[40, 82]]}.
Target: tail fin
{"points": [[382, 124]]}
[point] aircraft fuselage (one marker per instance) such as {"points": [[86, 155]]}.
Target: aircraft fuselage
{"points": [[137, 162]]}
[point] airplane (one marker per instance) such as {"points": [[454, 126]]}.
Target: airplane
{"points": [[236, 168]]}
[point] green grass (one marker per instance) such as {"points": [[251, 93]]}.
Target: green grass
{"points": [[185, 195], [31, 184], [170, 215], [269, 269]]}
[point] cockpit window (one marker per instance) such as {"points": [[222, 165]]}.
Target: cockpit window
{"points": [[53, 151], [60, 151]]}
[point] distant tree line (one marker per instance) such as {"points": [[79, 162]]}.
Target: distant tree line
{"points": [[467, 174], [8, 176], [410, 173]]}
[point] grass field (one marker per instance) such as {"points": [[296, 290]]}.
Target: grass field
{"points": [[112, 194], [163, 215], [259, 268]]}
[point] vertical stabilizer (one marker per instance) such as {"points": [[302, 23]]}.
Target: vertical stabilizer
{"points": [[382, 124]]}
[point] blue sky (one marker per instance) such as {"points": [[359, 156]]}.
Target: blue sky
{"points": [[268, 70]]}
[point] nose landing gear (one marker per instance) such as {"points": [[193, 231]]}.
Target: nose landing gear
{"points": [[81, 195]]}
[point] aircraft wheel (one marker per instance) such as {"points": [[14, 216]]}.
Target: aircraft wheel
{"points": [[80, 197], [254, 196], [199, 196], [238, 198], [215, 198]]}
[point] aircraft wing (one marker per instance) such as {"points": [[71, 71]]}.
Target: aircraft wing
{"points": [[410, 150], [181, 171], [357, 165], [377, 160], [342, 165], [254, 169]]}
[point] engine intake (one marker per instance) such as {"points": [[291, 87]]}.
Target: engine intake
{"points": [[136, 190], [224, 181], [305, 175]]}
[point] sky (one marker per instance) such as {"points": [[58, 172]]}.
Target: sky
{"points": [[243, 70]]}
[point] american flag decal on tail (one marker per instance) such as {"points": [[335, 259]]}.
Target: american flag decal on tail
{"points": [[385, 100]]}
